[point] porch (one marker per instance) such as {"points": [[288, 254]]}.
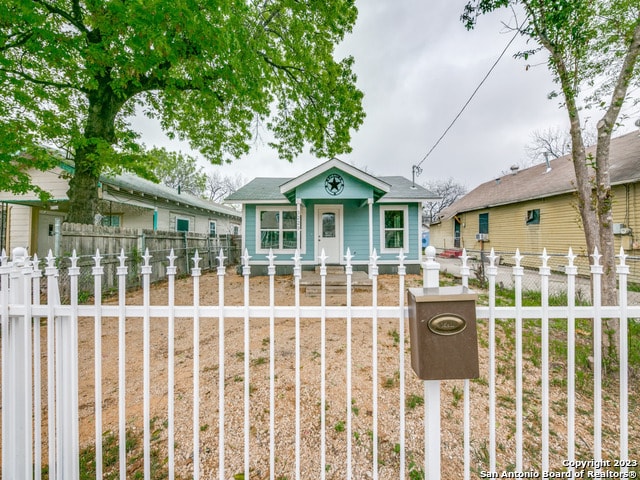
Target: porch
{"points": [[335, 281]]}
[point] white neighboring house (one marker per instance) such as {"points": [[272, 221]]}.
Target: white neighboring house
{"points": [[126, 201]]}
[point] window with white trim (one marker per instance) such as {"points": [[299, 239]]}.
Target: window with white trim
{"points": [[277, 228], [394, 228], [212, 228]]}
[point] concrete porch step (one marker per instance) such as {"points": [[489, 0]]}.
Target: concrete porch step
{"points": [[331, 269], [335, 283]]}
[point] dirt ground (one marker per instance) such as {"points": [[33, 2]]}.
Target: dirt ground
{"points": [[388, 350]]}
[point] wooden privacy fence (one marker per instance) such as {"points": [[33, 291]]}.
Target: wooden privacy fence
{"points": [[86, 240], [534, 410]]}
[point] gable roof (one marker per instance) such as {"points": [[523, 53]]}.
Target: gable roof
{"points": [[540, 182], [266, 189], [335, 163], [274, 189]]}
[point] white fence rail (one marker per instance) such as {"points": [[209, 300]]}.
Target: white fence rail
{"points": [[41, 424]]}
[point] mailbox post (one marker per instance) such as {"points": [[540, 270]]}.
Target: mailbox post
{"points": [[444, 340], [444, 345]]}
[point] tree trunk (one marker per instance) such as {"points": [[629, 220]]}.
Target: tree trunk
{"points": [[83, 188], [99, 136]]}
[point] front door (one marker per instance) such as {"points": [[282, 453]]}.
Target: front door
{"points": [[329, 232]]}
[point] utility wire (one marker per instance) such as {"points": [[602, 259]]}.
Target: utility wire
{"points": [[468, 101]]}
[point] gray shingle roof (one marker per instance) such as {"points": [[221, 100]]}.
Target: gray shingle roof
{"points": [[536, 182], [267, 189]]}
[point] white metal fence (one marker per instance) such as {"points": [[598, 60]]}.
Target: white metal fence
{"points": [[529, 412]]}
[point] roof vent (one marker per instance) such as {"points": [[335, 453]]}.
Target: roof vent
{"points": [[514, 169], [546, 159]]}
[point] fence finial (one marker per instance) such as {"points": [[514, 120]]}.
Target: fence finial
{"points": [[97, 258], [465, 258], [492, 257], [544, 269], [122, 258], [50, 259], [221, 258], [74, 261], [246, 268], [402, 270], [348, 268], [596, 257], [297, 269], [271, 269], [146, 257], [221, 268], [172, 258], [571, 257], [374, 263], [518, 258], [623, 257], [323, 258], [196, 263]]}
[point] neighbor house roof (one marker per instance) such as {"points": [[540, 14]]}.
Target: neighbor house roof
{"points": [[275, 189], [134, 184], [542, 181]]}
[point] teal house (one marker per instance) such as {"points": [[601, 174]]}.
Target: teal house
{"points": [[332, 207]]}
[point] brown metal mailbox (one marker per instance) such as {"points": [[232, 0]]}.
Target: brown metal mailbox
{"points": [[443, 334]]}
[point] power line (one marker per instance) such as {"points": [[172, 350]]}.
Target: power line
{"points": [[417, 167]]}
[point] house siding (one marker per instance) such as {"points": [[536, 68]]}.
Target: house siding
{"points": [[20, 222], [560, 227], [355, 235], [353, 188]]}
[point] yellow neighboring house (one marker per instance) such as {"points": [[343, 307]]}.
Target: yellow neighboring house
{"points": [[536, 208]]}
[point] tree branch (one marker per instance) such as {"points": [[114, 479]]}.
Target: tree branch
{"points": [[76, 22], [23, 38], [47, 83], [622, 83]]}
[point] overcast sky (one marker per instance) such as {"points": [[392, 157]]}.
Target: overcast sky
{"points": [[417, 66]]}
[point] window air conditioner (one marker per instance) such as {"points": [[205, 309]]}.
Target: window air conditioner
{"points": [[482, 237]]}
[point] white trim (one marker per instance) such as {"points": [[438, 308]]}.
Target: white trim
{"points": [[257, 202], [339, 226], [335, 163], [353, 262], [300, 234], [405, 228], [406, 200], [242, 229], [215, 228], [370, 202]]}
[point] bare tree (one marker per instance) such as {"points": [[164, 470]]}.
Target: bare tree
{"points": [[219, 186], [552, 142], [448, 190]]}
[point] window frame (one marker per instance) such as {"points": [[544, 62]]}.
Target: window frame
{"points": [[405, 228], [183, 219], [280, 229], [110, 218], [215, 228], [533, 217], [486, 223]]}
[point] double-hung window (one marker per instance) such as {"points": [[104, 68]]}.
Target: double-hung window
{"points": [[394, 228], [277, 229]]}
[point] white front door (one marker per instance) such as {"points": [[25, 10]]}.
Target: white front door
{"points": [[329, 232]]}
